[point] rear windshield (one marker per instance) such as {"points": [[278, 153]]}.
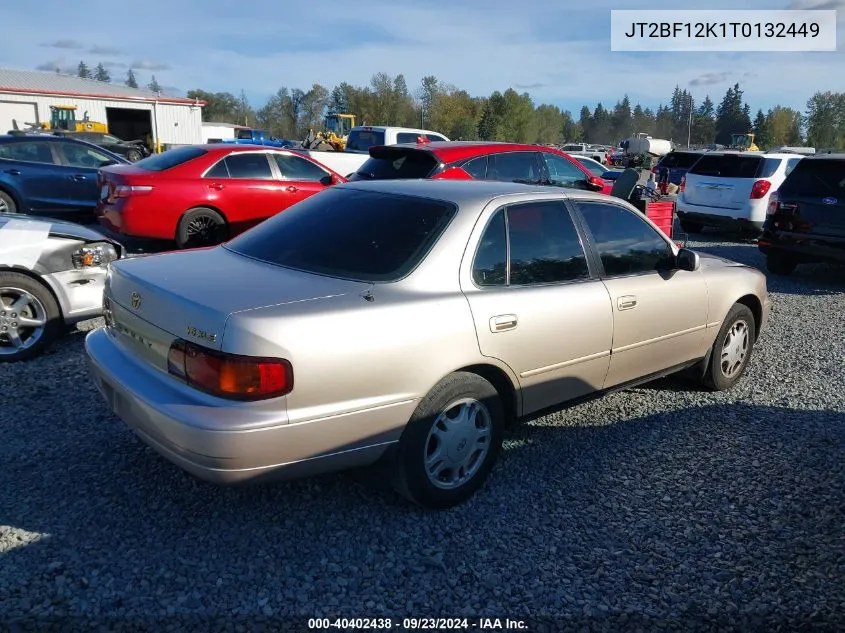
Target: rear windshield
{"points": [[813, 177], [169, 159], [727, 166], [393, 164], [359, 235], [681, 160], [363, 140]]}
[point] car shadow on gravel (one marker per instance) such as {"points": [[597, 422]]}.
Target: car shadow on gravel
{"points": [[723, 510]]}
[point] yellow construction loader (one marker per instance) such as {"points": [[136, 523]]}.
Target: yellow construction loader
{"points": [[336, 128], [63, 117], [744, 142]]}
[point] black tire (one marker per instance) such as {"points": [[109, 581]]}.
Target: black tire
{"points": [[46, 308], [717, 376], [780, 264], [201, 227], [7, 203], [134, 155], [688, 226], [410, 477]]}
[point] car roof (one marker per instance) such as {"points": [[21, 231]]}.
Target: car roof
{"points": [[450, 151], [463, 192], [761, 154]]}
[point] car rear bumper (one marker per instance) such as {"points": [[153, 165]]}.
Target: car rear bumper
{"points": [[694, 213], [803, 247], [264, 446]]}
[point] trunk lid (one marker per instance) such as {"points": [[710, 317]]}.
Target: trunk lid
{"points": [[155, 299], [722, 180]]}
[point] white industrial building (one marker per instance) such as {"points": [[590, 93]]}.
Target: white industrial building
{"points": [[130, 113]]}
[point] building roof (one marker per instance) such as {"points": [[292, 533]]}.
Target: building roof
{"points": [[45, 83], [221, 124]]}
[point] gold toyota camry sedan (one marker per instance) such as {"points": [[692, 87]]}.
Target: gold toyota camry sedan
{"points": [[406, 323]]}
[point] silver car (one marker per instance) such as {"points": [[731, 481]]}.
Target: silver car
{"points": [[51, 277], [409, 321]]}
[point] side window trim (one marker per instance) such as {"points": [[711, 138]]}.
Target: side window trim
{"points": [[594, 266], [222, 161], [593, 249]]}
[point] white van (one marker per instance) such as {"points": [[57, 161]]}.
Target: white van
{"points": [[363, 137], [731, 189]]}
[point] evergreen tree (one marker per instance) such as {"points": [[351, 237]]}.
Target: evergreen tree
{"points": [[154, 86], [101, 73], [130, 79], [83, 70]]}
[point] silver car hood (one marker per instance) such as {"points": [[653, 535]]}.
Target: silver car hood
{"points": [[191, 294]]}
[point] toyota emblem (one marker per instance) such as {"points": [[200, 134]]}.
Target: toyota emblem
{"points": [[135, 298]]}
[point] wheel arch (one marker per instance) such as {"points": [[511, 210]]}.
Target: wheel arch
{"points": [[752, 302], [26, 272], [9, 191], [502, 383], [195, 207]]}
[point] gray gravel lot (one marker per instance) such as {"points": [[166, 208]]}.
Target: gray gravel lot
{"points": [[662, 507]]}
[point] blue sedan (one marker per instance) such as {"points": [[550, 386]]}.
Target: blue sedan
{"points": [[42, 174]]}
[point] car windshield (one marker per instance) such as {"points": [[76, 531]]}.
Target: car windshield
{"points": [[393, 163], [169, 159], [350, 234], [362, 140], [815, 177], [727, 166]]}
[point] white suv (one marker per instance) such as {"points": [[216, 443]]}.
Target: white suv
{"points": [[731, 190]]}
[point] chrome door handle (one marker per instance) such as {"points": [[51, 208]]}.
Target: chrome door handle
{"points": [[626, 303], [77, 177], [13, 172], [503, 322], [216, 186], [292, 189]]}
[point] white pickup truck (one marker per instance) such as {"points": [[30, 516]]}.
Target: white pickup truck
{"points": [[361, 139], [582, 149]]}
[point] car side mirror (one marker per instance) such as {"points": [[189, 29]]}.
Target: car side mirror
{"points": [[688, 260], [327, 180]]}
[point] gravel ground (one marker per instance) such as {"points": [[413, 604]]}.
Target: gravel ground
{"points": [[662, 507]]}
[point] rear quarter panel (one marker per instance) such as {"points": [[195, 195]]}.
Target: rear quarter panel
{"points": [[350, 354]]}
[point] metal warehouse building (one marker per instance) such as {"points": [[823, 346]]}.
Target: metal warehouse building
{"points": [[130, 113]]}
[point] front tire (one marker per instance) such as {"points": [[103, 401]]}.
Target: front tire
{"points": [[732, 349], [30, 318], [133, 155], [201, 227], [779, 264], [7, 203], [451, 443]]}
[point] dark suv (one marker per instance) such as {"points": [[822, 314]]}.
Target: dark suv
{"points": [[678, 163], [805, 221]]}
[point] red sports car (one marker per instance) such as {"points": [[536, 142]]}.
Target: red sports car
{"points": [[205, 194], [481, 160]]}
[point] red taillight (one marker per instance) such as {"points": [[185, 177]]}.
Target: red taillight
{"points": [[229, 375], [683, 184], [124, 191], [760, 188]]}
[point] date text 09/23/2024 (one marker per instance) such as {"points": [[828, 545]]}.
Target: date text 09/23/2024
{"points": [[417, 624]]}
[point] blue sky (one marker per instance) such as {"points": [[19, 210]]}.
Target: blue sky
{"points": [[557, 51]]}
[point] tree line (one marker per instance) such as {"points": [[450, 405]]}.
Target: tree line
{"points": [[101, 73], [513, 116]]}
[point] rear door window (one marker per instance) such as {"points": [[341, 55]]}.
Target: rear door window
{"points": [[408, 137], [477, 167], [363, 140], [249, 166], [727, 166], [816, 178], [514, 167], [395, 163], [297, 168], [29, 151]]}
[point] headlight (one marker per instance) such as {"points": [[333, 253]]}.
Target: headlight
{"points": [[96, 254]]}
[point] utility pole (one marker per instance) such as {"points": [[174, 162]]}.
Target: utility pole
{"points": [[689, 124]]}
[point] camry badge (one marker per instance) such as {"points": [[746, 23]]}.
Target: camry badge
{"points": [[135, 300], [830, 200]]}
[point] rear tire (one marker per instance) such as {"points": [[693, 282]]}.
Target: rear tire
{"points": [[780, 264], [451, 442], [731, 352], [689, 226], [133, 155], [201, 227], [7, 203], [26, 300]]}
